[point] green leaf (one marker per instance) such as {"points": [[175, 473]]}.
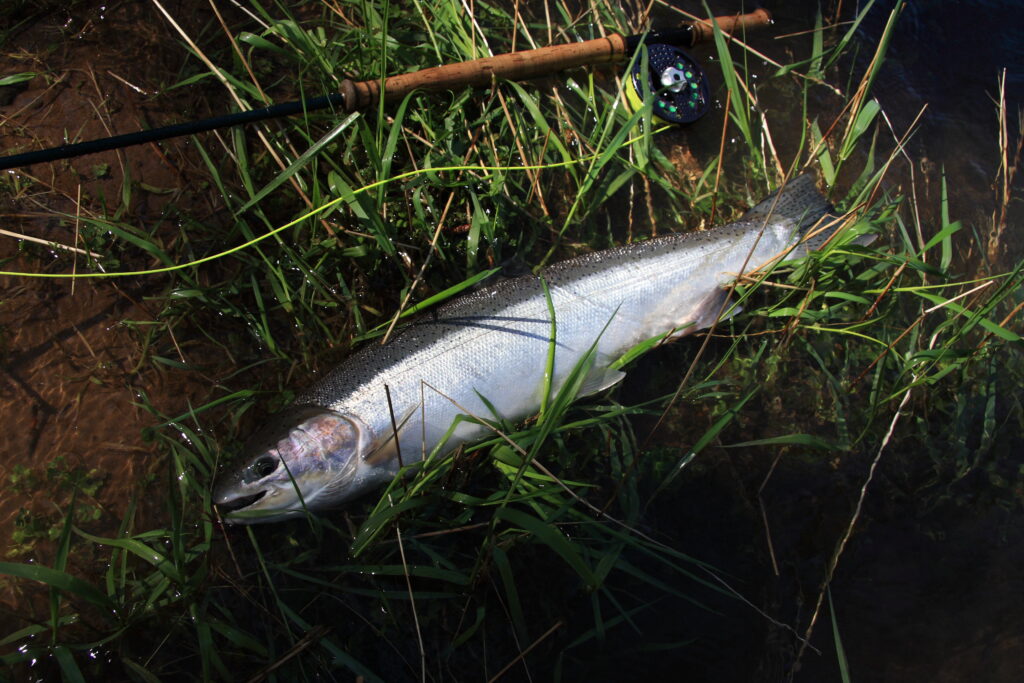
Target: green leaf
{"points": [[139, 672], [865, 117], [59, 580], [788, 439], [639, 350], [553, 538], [948, 228], [299, 163], [262, 43], [69, 670], [141, 550], [431, 301], [35, 629], [14, 79], [844, 666], [817, 49], [740, 106], [824, 158], [508, 581]]}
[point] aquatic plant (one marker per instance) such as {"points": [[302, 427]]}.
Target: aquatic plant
{"points": [[555, 546]]}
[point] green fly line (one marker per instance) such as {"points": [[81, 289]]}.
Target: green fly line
{"points": [[490, 170]]}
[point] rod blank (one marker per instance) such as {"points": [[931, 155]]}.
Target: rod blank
{"points": [[356, 95]]}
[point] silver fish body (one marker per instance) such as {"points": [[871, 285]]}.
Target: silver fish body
{"points": [[486, 352]]}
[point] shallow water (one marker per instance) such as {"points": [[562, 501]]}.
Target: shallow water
{"points": [[942, 575], [75, 363], [929, 587]]}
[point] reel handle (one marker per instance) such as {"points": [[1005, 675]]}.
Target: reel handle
{"points": [[533, 63], [355, 95]]}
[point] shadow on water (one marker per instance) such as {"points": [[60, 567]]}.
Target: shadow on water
{"points": [[930, 586], [951, 56]]}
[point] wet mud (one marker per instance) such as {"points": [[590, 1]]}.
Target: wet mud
{"points": [[72, 365], [923, 592]]}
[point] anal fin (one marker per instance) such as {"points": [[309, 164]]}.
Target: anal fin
{"points": [[707, 312], [600, 379]]}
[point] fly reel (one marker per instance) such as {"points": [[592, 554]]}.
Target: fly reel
{"points": [[676, 83]]}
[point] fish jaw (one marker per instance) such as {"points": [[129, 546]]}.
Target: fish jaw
{"points": [[306, 458]]}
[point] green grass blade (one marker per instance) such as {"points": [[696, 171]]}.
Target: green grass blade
{"points": [[69, 670], [62, 581], [844, 667], [551, 537], [140, 550], [302, 162]]}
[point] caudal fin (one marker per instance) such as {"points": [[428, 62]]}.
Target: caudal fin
{"points": [[799, 201]]}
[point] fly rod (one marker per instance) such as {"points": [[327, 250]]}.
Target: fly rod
{"points": [[679, 81]]}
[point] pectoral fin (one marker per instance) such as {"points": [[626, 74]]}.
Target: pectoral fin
{"points": [[387, 451]]}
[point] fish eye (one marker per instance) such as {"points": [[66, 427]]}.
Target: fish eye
{"points": [[264, 466]]}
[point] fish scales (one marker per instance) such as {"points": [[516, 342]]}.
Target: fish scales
{"points": [[491, 346], [494, 342]]}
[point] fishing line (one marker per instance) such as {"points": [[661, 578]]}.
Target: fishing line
{"points": [[491, 170], [677, 83], [666, 83]]}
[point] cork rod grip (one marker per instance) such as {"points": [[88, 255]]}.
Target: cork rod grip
{"points": [[702, 29], [522, 65], [482, 72]]}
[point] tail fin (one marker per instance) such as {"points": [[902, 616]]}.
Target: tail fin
{"points": [[799, 201]]}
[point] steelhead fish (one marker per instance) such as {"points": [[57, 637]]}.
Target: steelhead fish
{"points": [[490, 347]]}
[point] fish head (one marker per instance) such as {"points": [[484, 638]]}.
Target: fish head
{"points": [[305, 458]]}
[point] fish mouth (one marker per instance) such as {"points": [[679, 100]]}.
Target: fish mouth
{"points": [[235, 504]]}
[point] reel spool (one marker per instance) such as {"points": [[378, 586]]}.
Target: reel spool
{"points": [[676, 82]]}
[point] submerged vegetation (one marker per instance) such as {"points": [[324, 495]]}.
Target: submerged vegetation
{"points": [[554, 548]]}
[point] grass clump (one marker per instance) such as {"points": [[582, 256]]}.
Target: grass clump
{"points": [[535, 551]]}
